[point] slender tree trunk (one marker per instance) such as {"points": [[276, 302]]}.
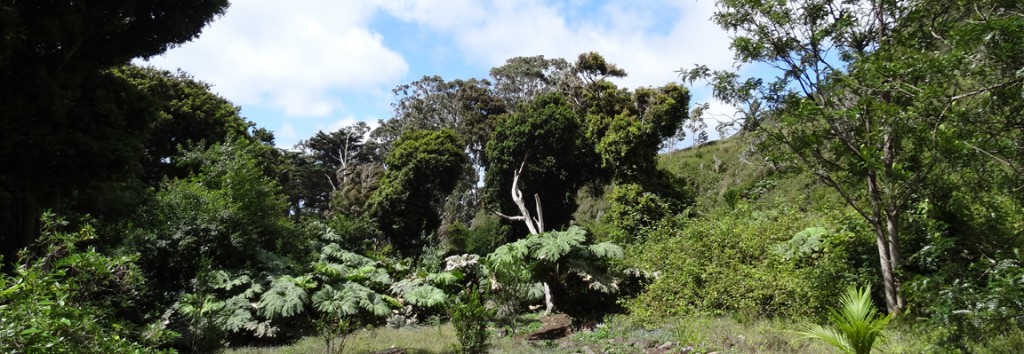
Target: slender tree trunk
{"points": [[885, 238], [892, 298], [893, 237]]}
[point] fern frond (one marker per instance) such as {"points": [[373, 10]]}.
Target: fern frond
{"points": [[509, 254], [238, 313]]}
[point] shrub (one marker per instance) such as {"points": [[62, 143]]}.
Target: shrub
{"points": [[749, 262], [470, 319], [61, 298], [856, 324]]}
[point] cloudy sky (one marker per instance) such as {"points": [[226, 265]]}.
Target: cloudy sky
{"points": [[296, 67]]}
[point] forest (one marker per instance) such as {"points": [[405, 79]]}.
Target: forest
{"points": [[871, 197]]}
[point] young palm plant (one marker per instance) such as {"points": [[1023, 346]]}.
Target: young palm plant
{"points": [[856, 325]]}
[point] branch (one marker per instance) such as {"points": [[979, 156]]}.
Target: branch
{"points": [[513, 218], [540, 213], [331, 181], [986, 89], [517, 197]]}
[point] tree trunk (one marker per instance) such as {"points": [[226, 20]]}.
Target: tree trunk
{"points": [[893, 237], [549, 303], [885, 239], [535, 225], [893, 301]]}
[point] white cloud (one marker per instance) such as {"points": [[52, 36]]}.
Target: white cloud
{"points": [[290, 55], [490, 32], [372, 122], [287, 132]]}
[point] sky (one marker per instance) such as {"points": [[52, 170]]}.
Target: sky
{"points": [[298, 67]]}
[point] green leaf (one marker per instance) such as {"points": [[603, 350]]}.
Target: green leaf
{"points": [[553, 245], [607, 250], [426, 296], [285, 298]]}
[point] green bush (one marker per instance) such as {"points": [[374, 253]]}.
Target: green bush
{"points": [[470, 318], [61, 298], [633, 211], [751, 263]]}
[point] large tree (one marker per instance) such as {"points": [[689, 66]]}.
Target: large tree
{"points": [[422, 169], [69, 124], [541, 150], [330, 167], [867, 92], [188, 113]]}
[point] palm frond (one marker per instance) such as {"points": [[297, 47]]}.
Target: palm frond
{"points": [[857, 326]]}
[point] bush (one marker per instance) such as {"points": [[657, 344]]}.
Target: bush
{"points": [[470, 319], [751, 263], [61, 298]]}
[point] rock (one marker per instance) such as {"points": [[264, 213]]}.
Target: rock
{"points": [[686, 350], [553, 327], [667, 345], [391, 351], [590, 350]]}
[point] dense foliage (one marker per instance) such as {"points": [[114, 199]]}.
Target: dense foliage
{"points": [[882, 149]]}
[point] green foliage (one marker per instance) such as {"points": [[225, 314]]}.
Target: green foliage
{"points": [[63, 298], [633, 211], [286, 297], [470, 318], [423, 168], [562, 259], [230, 212], [629, 141], [54, 73], [189, 114], [546, 136], [856, 323], [804, 243], [333, 171], [719, 263]]}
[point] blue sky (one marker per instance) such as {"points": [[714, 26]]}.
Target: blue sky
{"points": [[303, 66]]}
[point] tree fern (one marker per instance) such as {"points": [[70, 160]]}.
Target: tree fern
{"points": [[445, 278]]}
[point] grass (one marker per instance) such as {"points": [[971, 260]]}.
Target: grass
{"points": [[416, 339], [704, 334]]}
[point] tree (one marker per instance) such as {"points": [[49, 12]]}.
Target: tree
{"points": [[467, 107], [865, 93], [563, 261], [62, 110], [422, 169], [541, 149], [521, 79], [189, 114], [331, 166]]}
